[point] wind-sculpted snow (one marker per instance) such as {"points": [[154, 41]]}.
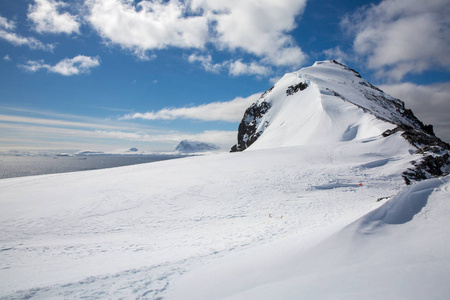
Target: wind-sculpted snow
{"points": [[131, 232]]}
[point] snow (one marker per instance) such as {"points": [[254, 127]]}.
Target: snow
{"points": [[136, 231], [398, 251], [316, 208]]}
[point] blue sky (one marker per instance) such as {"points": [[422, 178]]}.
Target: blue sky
{"points": [[114, 74]]}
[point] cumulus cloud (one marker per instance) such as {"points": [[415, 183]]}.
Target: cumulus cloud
{"points": [[400, 37], [430, 103], [7, 33], [46, 16], [238, 68], [80, 64], [257, 27], [147, 25], [231, 111]]}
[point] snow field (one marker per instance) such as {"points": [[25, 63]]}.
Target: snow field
{"points": [[398, 251], [133, 231]]}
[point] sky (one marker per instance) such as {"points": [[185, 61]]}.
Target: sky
{"points": [[104, 75]]}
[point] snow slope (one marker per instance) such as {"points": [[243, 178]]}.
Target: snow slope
{"points": [[324, 103], [136, 231], [399, 251]]}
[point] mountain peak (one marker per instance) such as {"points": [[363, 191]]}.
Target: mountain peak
{"points": [[328, 103]]}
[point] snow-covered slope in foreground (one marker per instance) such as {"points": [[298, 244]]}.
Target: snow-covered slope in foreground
{"points": [[399, 251], [147, 231]]}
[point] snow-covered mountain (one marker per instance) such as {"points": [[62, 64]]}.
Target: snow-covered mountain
{"points": [[316, 207], [186, 146], [328, 103]]}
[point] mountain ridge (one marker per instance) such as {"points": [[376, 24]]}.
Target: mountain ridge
{"points": [[330, 102]]}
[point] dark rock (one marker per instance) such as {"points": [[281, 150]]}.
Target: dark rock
{"points": [[430, 166], [291, 90], [346, 68], [436, 158], [247, 131]]}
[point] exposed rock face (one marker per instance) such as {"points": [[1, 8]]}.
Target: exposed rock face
{"points": [[436, 153], [247, 132], [195, 147], [291, 90]]}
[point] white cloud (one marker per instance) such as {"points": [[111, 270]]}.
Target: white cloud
{"points": [[238, 68], [337, 54], [430, 103], [147, 25], [257, 27], [6, 25], [69, 66], [7, 33], [46, 16], [7, 57], [231, 111], [400, 37], [210, 136], [56, 122], [206, 62]]}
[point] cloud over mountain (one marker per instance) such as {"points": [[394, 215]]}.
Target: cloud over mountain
{"points": [[401, 37]]}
